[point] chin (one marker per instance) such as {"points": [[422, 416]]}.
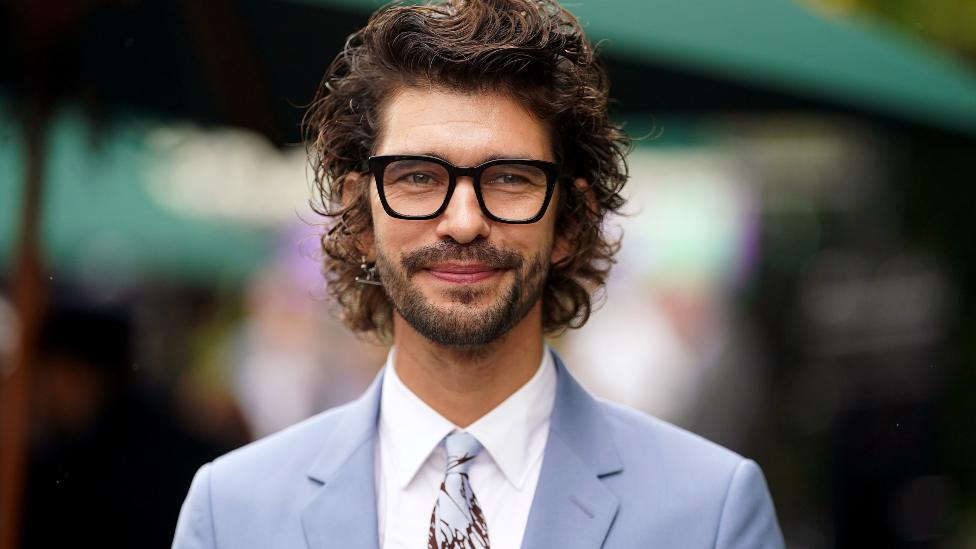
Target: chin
{"points": [[480, 295]]}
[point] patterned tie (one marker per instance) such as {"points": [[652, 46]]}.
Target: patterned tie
{"points": [[457, 521]]}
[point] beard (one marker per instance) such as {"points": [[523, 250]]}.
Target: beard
{"points": [[462, 323]]}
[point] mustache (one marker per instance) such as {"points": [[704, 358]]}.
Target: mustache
{"points": [[480, 251]]}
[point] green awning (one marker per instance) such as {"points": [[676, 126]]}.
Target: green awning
{"points": [[782, 46], [99, 216]]}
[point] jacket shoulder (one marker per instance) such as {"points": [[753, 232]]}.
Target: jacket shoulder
{"points": [[294, 448], [640, 434], [680, 488], [252, 496], [270, 475]]}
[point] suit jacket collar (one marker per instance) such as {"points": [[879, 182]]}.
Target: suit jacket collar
{"points": [[571, 507], [343, 511], [579, 421], [355, 427]]}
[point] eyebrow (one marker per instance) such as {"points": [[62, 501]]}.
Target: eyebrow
{"points": [[482, 160]]}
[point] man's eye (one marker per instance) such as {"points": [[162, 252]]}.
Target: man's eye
{"points": [[418, 178], [509, 179]]}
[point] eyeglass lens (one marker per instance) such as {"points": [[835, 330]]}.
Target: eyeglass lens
{"points": [[419, 187]]}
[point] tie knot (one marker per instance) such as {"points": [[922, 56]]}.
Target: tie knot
{"points": [[461, 450]]}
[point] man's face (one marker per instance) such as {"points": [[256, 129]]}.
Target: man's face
{"points": [[462, 279]]}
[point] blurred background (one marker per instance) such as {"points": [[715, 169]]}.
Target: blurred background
{"points": [[797, 282]]}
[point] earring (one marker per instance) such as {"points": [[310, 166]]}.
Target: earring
{"points": [[369, 274]]}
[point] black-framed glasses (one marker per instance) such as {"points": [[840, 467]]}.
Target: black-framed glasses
{"points": [[509, 190]]}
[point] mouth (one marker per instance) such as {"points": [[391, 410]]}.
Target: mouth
{"points": [[458, 273]]}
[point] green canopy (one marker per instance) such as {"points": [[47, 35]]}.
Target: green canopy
{"points": [[100, 219], [783, 46]]}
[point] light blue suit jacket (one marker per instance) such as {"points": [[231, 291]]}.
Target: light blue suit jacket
{"points": [[611, 477]]}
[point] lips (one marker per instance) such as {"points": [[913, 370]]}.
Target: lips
{"points": [[462, 273]]}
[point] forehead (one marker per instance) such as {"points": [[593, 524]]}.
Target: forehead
{"points": [[463, 128]]}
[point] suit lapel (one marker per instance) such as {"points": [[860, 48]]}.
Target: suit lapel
{"points": [[572, 507], [343, 511]]}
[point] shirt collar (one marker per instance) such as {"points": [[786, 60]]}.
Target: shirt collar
{"points": [[408, 426], [514, 433]]}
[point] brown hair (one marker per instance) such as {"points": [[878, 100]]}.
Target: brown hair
{"points": [[534, 51]]}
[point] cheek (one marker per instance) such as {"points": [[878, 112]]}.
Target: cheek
{"points": [[394, 236], [531, 241], [378, 216], [559, 247]]}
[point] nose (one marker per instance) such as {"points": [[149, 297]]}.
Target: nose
{"points": [[462, 220]]}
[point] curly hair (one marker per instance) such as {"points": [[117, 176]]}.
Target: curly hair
{"points": [[532, 50]]}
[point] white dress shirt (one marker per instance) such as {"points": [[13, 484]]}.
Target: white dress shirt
{"points": [[410, 460]]}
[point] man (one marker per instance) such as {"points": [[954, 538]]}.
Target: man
{"points": [[464, 154]]}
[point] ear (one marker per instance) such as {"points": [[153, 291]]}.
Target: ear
{"points": [[351, 188], [565, 243], [354, 189]]}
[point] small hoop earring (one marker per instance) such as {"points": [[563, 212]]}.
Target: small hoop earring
{"points": [[369, 274]]}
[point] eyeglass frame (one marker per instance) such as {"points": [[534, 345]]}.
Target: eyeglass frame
{"points": [[378, 164]]}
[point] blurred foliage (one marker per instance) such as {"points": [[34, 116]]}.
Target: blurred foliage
{"points": [[949, 23]]}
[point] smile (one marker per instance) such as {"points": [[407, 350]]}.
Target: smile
{"points": [[462, 273]]}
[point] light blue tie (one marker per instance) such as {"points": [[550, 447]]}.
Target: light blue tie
{"points": [[457, 521]]}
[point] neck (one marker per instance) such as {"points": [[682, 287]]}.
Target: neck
{"points": [[464, 383]]}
